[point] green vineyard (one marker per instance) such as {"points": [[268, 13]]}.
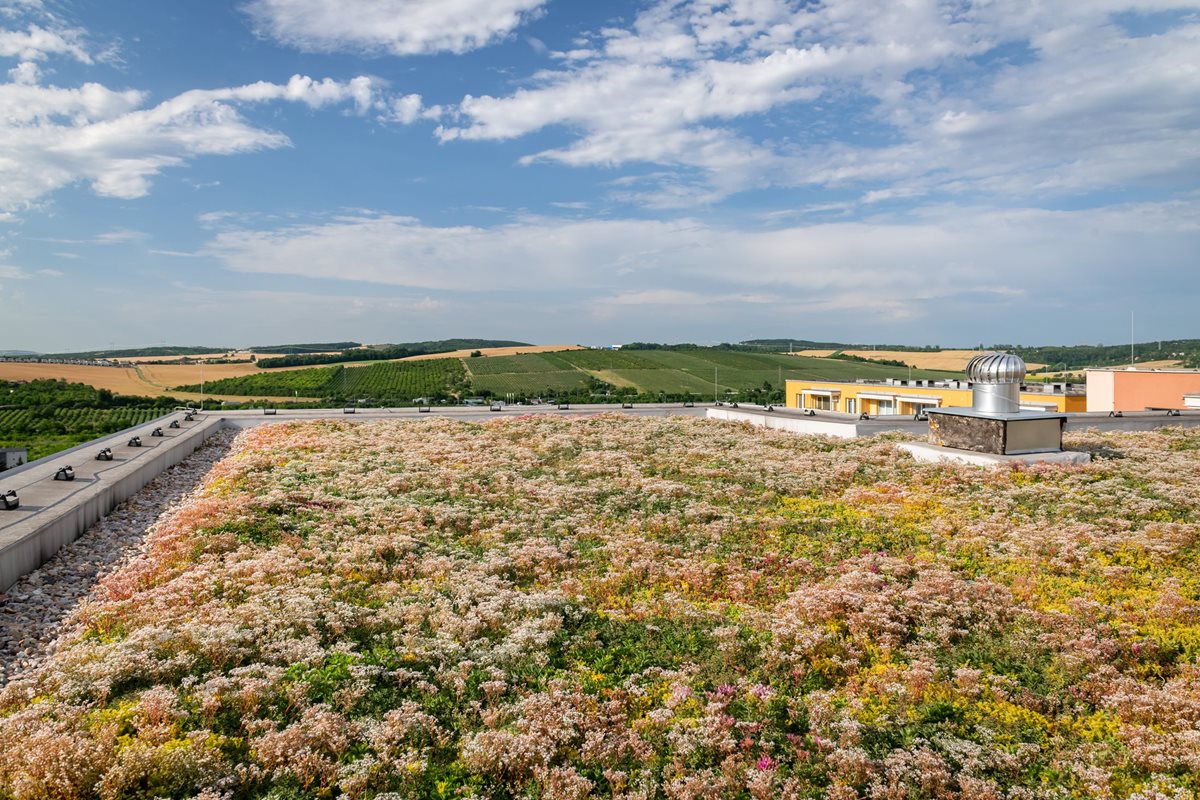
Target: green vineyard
{"points": [[395, 381], [75, 420], [46, 431], [282, 383]]}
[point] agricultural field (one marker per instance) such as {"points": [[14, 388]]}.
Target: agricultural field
{"points": [[120, 380], [741, 371], [46, 416], [150, 380], [382, 380], [603, 360], [952, 360], [666, 381], [522, 364], [532, 384], [309, 382], [536, 371], [166, 375], [621, 607], [526, 375], [43, 433], [488, 352], [670, 372], [182, 359], [400, 380]]}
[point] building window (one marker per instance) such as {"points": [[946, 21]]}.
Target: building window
{"points": [[851, 405]]}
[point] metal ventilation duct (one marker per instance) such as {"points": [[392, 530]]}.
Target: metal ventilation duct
{"points": [[996, 379]]}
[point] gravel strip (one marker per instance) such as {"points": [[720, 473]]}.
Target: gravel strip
{"points": [[34, 608]]}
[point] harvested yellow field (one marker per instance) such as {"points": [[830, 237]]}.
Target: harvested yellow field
{"points": [[1166, 363], [164, 376], [952, 360], [121, 380], [497, 351]]}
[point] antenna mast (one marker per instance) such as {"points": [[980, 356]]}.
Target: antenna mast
{"points": [[1132, 358]]}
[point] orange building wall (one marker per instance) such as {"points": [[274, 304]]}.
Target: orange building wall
{"points": [[1134, 390]]}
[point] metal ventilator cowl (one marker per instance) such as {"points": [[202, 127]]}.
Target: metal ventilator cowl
{"points": [[996, 382]]}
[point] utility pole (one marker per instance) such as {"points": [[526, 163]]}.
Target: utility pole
{"points": [[1132, 358]]}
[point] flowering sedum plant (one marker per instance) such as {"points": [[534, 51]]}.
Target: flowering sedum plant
{"points": [[634, 608]]}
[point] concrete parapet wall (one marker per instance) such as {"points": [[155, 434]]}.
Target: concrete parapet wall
{"points": [[55, 513], [784, 421]]}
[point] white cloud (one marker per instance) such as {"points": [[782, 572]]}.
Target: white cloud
{"points": [[898, 267], [121, 236], [398, 27], [175, 253], [1005, 98], [407, 109], [36, 43], [27, 72], [53, 137]]}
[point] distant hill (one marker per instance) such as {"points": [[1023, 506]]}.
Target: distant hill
{"points": [[19, 353], [781, 345], [1057, 358], [139, 352], [299, 349], [384, 352], [448, 345], [1079, 356], [778, 346]]}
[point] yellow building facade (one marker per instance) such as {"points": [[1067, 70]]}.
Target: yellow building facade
{"points": [[883, 398]]}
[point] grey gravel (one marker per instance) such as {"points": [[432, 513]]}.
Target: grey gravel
{"points": [[34, 608]]}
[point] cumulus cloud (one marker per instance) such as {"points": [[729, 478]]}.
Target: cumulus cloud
{"points": [[398, 27], [406, 109], [54, 136], [899, 99]]}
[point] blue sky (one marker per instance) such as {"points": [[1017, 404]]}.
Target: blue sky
{"points": [[559, 171]]}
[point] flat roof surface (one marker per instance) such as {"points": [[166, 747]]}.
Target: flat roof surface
{"points": [[1139, 370], [1077, 389]]}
